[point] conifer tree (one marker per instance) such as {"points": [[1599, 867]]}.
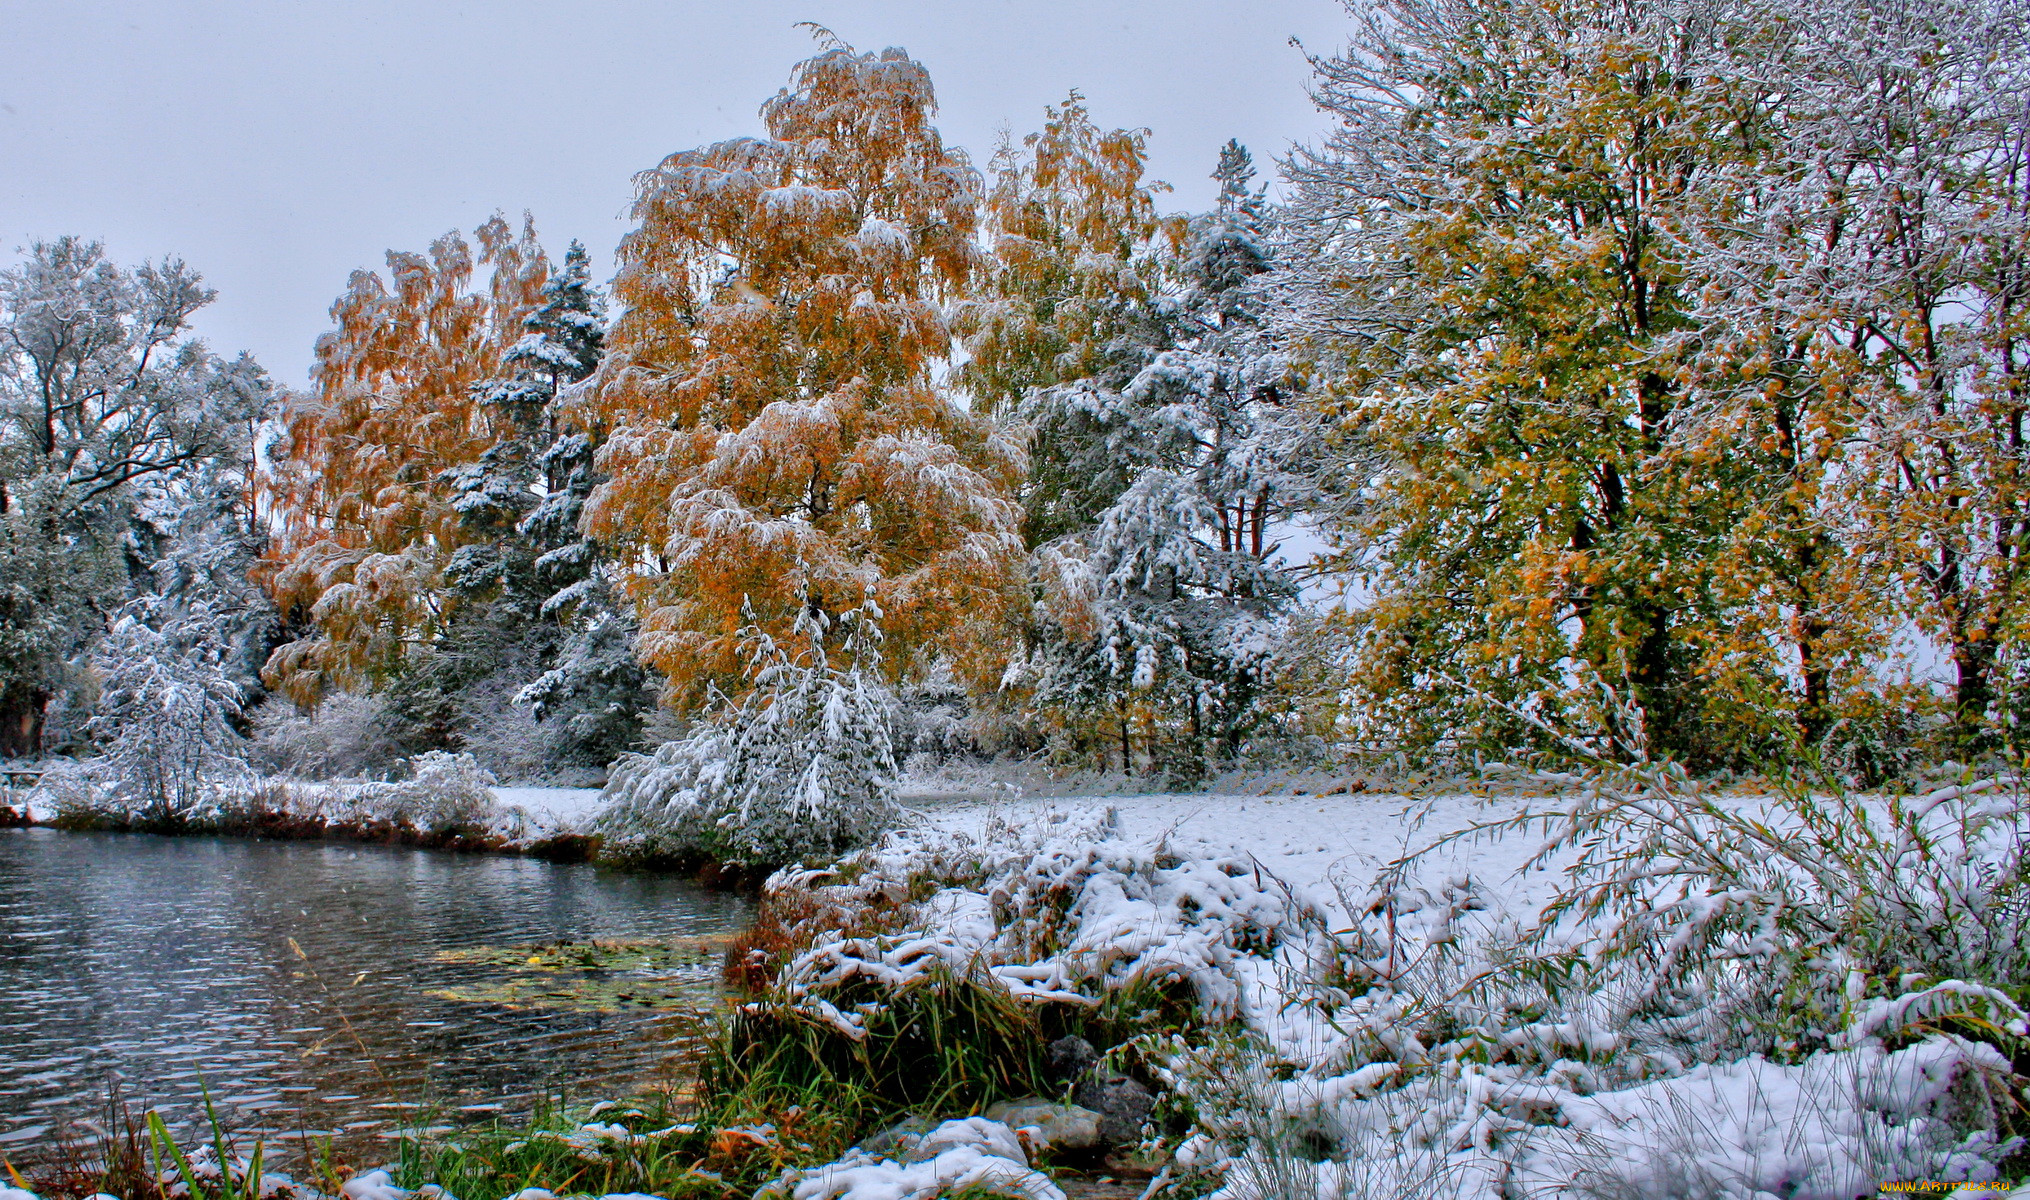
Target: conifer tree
{"points": [[1174, 634], [778, 434], [800, 768]]}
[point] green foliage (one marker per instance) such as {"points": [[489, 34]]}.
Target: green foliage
{"points": [[953, 1045], [647, 1148]]}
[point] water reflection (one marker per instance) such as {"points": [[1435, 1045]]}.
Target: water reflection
{"points": [[296, 980]]}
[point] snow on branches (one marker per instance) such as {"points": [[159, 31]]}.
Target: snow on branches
{"points": [[800, 768]]}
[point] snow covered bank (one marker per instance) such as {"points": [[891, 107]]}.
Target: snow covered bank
{"points": [[1635, 991], [448, 802]]}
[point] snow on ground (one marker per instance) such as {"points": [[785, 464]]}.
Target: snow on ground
{"points": [[1444, 1073], [556, 807], [1306, 840], [1309, 841]]}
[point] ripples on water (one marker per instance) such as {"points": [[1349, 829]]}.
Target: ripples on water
{"points": [[164, 966]]}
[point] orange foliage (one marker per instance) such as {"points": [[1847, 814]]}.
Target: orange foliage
{"points": [[1072, 224], [772, 393], [364, 522]]}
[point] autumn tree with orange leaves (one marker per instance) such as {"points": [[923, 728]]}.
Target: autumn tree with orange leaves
{"points": [[779, 439], [366, 519], [1066, 308]]}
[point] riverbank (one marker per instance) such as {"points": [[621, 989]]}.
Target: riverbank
{"points": [[1305, 824], [449, 806]]}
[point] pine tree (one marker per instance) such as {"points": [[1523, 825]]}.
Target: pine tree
{"points": [[567, 331], [779, 436], [592, 683], [1177, 624]]}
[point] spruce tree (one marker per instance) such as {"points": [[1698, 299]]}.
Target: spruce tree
{"points": [[1172, 637]]}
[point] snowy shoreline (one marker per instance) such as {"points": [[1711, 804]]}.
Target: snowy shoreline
{"points": [[1398, 1018], [1302, 831]]}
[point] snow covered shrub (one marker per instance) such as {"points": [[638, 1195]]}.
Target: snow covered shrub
{"points": [[933, 718], [1066, 912], [166, 708], [344, 737], [68, 793], [1835, 1125], [448, 793], [801, 769], [505, 737], [1694, 924], [1265, 1133]]}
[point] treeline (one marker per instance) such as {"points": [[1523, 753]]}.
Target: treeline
{"points": [[1652, 376]]}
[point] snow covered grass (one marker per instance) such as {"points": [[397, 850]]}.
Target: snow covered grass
{"points": [[1800, 994]]}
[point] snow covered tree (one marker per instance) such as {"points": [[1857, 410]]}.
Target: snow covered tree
{"points": [[567, 331], [535, 601], [367, 478], [1916, 134], [779, 435], [801, 768], [108, 406], [433, 493], [1167, 612], [1065, 314], [1646, 320], [166, 713], [1486, 238]]}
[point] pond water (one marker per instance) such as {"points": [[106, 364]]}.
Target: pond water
{"points": [[325, 988]]}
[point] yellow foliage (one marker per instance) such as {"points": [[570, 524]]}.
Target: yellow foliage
{"points": [[776, 421], [363, 522]]}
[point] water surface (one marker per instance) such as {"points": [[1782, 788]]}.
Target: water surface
{"points": [[318, 987]]}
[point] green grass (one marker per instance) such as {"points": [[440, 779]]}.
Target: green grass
{"points": [[652, 1151]]}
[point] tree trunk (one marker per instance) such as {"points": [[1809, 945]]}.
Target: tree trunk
{"points": [[1666, 709], [21, 711], [1813, 718], [1973, 690]]}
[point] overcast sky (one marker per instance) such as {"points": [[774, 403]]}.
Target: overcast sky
{"points": [[276, 145]]}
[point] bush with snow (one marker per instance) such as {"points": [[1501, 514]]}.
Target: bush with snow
{"points": [[344, 737], [446, 794], [800, 769]]}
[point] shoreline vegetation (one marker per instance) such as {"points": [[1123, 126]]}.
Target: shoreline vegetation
{"points": [[282, 824]]}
